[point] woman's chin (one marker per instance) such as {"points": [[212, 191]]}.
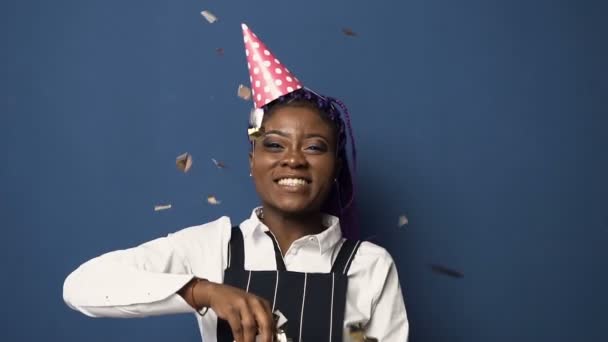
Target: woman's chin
{"points": [[296, 207]]}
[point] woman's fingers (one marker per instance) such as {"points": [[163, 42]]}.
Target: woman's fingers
{"points": [[263, 318], [248, 315], [248, 322], [233, 317]]}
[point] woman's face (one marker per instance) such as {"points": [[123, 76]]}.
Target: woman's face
{"points": [[294, 162]]}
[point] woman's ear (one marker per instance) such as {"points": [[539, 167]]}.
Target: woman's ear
{"points": [[250, 161]]}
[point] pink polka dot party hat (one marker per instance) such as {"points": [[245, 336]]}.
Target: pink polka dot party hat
{"points": [[269, 78]]}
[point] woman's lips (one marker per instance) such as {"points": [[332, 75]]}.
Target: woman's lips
{"points": [[293, 184]]}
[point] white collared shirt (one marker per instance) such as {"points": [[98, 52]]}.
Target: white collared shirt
{"points": [[143, 281]]}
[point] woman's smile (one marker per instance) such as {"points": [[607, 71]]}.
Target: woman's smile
{"points": [[293, 184]]}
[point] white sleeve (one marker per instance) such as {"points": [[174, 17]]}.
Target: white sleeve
{"points": [[143, 281], [388, 321]]}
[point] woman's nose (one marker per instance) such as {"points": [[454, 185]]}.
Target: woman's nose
{"points": [[294, 159]]}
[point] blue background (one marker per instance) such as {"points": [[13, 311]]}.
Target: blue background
{"points": [[485, 122]]}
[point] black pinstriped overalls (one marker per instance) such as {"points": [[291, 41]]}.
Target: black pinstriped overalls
{"points": [[313, 303]]}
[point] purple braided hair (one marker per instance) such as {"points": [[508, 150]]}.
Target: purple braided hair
{"points": [[344, 184]]}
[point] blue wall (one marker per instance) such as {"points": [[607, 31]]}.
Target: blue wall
{"points": [[485, 122]]}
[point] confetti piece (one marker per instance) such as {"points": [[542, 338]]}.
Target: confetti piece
{"points": [[219, 51], [209, 16], [162, 207], [255, 117], [218, 164], [403, 221], [279, 318], [255, 129], [347, 31], [357, 333], [254, 133], [279, 321], [440, 269], [184, 162], [244, 92], [212, 200]]}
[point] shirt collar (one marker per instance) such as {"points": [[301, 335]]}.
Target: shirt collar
{"points": [[325, 240]]}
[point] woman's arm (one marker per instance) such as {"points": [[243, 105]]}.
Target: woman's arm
{"points": [[136, 282], [144, 280], [388, 321]]}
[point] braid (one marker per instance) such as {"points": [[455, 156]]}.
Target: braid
{"points": [[350, 130]]}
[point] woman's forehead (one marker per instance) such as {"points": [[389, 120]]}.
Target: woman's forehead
{"points": [[297, 118]]}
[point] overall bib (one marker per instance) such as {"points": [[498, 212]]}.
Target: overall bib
{"points": [[313, 303]]}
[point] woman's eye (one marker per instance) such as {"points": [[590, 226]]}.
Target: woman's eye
{"points": [[316, 148], [272, 145]]}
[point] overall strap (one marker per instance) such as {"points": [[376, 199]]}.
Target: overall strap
{"points": [[236, 250], [345, 256], [277, 253]]}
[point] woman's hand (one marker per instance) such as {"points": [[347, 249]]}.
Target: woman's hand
{"points": [[247, 314]]}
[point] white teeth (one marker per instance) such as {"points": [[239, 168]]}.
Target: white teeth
{"points": [[292, 181]]}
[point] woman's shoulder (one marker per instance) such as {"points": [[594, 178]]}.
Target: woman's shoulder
{"points": [[370, 249], [372, 255], [371, 266]]}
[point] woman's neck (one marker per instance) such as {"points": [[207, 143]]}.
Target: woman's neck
{"points": [[288, 228]]}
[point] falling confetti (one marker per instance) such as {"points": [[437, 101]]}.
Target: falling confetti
{"points": [[244, 92], [279, 321], [347, 31], [218, 164], [357, 333], [255, 122], [162, 207], [440, 269], [403, 221], [219, 51], [209, 16], [279, 318], [184, 162], [212, 200]]}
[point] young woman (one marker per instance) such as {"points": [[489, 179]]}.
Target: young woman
{"points": [[290, 259]]}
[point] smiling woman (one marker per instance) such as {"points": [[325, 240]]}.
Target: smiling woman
{"points": [[294, 269]]}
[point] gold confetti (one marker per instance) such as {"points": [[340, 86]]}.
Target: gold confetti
{"points": [[244, 92], [255, 123], [349, 32], [218, 164], [357, 333], [209, 16], [184, 162], [212, 200], [162, 207], [403, 221], [254, 133]]}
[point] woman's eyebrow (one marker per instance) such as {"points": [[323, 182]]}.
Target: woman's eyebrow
{"points": [[315, 135], [288, 135], [277, 132]]}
